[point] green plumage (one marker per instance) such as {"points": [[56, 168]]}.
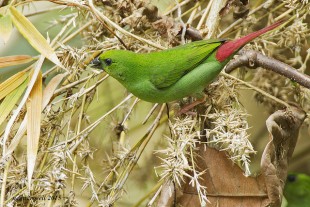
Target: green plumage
{"points": [[172, 74], [166, 75], [297, 190]]}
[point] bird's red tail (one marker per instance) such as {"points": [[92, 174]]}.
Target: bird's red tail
{"points": [[228, 48]]}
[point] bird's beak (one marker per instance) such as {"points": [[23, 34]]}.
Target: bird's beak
{"points": [[96, 63]]}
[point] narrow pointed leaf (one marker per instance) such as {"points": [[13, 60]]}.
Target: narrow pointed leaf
{"points": [[5, 27], [50, 89], [34, 37], [10, 100], [34, 108], [8, 128], [12, 83], [14, 60], [47, 95]]}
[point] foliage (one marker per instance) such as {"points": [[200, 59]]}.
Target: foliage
{"points": [[90, 146]]}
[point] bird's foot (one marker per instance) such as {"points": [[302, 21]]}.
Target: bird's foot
{"points": [[186, 109]]}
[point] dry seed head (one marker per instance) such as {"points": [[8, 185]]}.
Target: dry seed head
{"points": [[228, 132], [177, 158]]}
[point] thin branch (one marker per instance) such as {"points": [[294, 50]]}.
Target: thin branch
{"points": [[254, 59], [102, 18], [257, 89]]}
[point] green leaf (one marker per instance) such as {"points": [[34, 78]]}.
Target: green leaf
{"points": [[10, 100], [12, 83]]}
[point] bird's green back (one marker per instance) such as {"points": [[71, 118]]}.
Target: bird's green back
{"points": [[172, 64], [166, 75]]}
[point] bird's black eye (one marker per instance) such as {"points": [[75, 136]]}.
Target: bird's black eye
{"points": [[108, 61], [291, 178]]}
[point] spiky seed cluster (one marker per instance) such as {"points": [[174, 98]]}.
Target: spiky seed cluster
{"points": [[297, 4], [228, 132], [178, 158]]}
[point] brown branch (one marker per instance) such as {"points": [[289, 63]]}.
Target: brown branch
{"points": [[254, 59]]}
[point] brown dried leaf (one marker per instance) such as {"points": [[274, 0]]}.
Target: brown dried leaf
{"points": [[226, 183], [242, 9], [283, 127], [167, 27], [166, 195]]}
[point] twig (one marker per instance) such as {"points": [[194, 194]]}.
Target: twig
{"points": [[239, 21], [58, 8], [176, 7], [257, 89], [92, 126], [204, 15], [102, 18], [139, 148], [130, 110], [254, 59], [150, 113]]}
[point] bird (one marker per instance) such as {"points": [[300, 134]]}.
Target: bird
{"points": [[172, 74], [297, 190]]}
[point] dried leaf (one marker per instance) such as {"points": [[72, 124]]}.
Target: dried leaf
{"points": [[167, 195], [10, 100], [226, 183], [214, 17], [50, 89], [283, 126], [5, 25], [12, 83], [36, 70], [33, 36], [14, 60], [47, 95], [34, 108]]}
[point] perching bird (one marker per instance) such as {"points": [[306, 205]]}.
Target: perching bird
{"points": [[297, 190], [172, 74]]}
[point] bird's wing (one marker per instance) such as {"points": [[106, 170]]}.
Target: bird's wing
{"points": [[181, 60]]}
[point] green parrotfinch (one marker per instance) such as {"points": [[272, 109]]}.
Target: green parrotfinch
{"points": [[297, 190], [174, 73]]}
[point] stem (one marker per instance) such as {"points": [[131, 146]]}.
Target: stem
{"points": [[257, 89], [254, 59]]}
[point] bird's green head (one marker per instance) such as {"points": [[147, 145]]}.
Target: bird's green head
{"points": [[114, 62], [297, 189]]}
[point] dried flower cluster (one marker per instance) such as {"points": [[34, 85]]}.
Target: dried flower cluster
{"points": [[178, 158], [73, 151]]}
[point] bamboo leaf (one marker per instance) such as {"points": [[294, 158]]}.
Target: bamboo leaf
{"points": [[14, 60], [34, 108], [33, 36], [5, 25], [12, 83], [35, 72], [47, 95], [10, 100], [50, 89]]}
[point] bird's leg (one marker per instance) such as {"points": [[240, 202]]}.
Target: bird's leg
{"points": [[188, 107]]}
